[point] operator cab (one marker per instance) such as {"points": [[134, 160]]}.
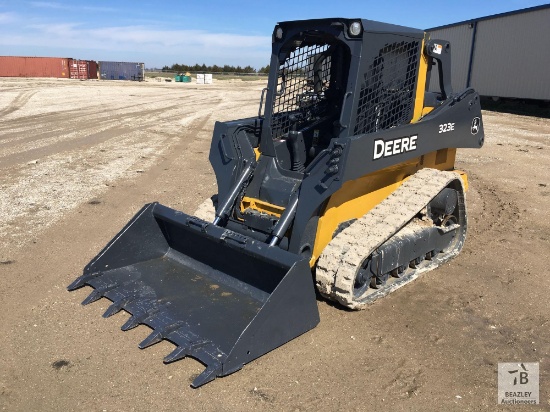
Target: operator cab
{"points": [[311, 83]]}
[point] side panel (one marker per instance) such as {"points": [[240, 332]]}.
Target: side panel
{"points": [[455, 124], [92, 69], [359, 196], [12, 66], [120, 70]]}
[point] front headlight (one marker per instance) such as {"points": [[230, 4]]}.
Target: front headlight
{"points": [[355, 29]]}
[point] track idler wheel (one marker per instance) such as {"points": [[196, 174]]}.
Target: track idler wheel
{"points": [[363, 279]]}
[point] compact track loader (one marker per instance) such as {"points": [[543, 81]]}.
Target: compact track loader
{"points": [[344, 181]]}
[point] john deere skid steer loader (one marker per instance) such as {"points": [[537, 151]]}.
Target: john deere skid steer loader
{"points": [[344, 181]]}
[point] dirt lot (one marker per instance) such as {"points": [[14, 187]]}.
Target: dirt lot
{"points": [[78, 159]]}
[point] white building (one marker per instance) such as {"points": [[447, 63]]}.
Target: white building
{"points": [[504, 55]]}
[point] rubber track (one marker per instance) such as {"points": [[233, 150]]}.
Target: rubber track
{"points": [[344, 255]]}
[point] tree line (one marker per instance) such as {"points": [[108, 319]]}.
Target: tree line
{"points": [[215, 69]]}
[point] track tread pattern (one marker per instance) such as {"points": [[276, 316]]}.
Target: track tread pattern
{"points": [[342, 258]]}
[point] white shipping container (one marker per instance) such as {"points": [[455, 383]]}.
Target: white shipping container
{"points": [[208, 78], [200, 78]]}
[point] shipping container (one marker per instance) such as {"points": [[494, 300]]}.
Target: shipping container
{"points": [[208, 78], [200, 78], [121, 71], [12, 66], [504, 55], [93, 69], [82, 69]]}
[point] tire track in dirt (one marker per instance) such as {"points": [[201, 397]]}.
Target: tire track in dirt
{"points": [[124, 195], [493, 213], [43, 121], [93, 131], [496, 225], [93, 122], [20, 100], [197, 131], [33, 215], [124, 102], [88, 138], [149, 182], [97, 114]]}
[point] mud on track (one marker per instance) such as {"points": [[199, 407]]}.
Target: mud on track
{"points": [[78, 159]]}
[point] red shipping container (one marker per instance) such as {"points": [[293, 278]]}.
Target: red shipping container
{"points": [[78, 69], [12, 66], [92, 69], [82, 69]]}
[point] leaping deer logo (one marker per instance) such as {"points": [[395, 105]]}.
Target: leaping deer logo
{"points": [[476, 122]]}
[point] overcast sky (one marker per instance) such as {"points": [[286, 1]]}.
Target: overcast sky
{"points": [[164, 32]]}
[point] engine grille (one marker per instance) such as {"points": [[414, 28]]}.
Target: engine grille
{"points": [[387, 94]]}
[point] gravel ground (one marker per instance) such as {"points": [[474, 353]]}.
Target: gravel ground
{"points": [[78, 159]]}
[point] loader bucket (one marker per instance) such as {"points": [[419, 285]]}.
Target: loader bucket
{"points": [[220, 297]]}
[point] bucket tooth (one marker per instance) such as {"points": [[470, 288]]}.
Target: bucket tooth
{"points": [[179, 353], [160, 333], [92, 297], [139, 318], [207, 375], [130, 323], [123, 301], [134, 321], [150, 340], [82, 280], [114, 308], [99, 292], [119, 304], [184, 350]]}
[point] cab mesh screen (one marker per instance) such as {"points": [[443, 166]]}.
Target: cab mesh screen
{"points": [[302, 80], [387, 93]]}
